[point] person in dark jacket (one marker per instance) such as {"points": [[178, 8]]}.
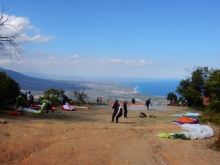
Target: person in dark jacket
{"points": [[64, 99], [97, 100], [148, 103], [32, 100], [117, 111], [125, 109]]}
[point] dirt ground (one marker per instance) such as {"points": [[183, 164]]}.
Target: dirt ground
{"points": [[87, 137]]}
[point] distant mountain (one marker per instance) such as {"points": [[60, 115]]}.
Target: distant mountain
{"points": [[39, 84], [49, 76], [93, 79]]}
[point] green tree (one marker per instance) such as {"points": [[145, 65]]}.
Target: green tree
{"points": [[193, 87], [9, 89], [212, 90], [171, 96], [80, 95], [52, 95]]}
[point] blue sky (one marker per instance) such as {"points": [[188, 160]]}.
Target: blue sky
{"points": [[146, 39]]}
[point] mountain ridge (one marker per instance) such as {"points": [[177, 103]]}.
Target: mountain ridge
{"points": [[40, 84]]}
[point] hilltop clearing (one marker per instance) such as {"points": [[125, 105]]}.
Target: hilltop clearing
{"points": [[86, 136]]}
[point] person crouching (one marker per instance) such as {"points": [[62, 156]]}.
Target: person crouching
{"points": [[48, 105], [117, 111]]}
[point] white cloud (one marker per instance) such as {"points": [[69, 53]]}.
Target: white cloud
{"points": [[48, 63], [24, 38], [43, 53], [5, 61], [56, 65], [73, 56], [52, 58], [19, 25], [115, 60], [132, 62]]}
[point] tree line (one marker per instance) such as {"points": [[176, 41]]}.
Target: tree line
{"points": [[203, 82]]}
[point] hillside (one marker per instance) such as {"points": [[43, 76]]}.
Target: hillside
{"points": [[87, 137], [38, 84]]}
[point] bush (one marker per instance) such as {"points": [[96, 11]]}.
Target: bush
{"points": [[210, 116], [216, 144], [9, 90], [52, 95]]}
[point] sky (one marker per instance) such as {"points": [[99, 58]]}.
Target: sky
{"points": [[112, 38]]}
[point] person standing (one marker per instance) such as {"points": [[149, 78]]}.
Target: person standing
{"points": [[32, 100], [173, 102], [29, 98], [20, 100], [64, 99], [148, 103], [125, 109], [100, 100], [107, 100], [117, 111], [97, 100]]}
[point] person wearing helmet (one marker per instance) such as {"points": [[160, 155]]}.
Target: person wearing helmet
{"points": [[117, 111], [148, 103], [20, 100]]}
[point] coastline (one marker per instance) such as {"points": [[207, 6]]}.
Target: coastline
{"points": [[158, 88], [135, 89], [122, 92], [113, 91]]}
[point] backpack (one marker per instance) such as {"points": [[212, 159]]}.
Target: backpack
{"points": [[32, 98], [147, 102], [142, 114]]}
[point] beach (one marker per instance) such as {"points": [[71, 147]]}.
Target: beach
{"points": [[86, 136]]}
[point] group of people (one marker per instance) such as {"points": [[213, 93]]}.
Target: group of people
{"points": [[99, 100], [147, 103], [28, 99], [118, 110], [22, 98]]}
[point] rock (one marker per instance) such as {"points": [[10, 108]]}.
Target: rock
{"points": [[3, 121]]}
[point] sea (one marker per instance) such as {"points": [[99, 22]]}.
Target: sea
{"points": [[156, 87]]}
